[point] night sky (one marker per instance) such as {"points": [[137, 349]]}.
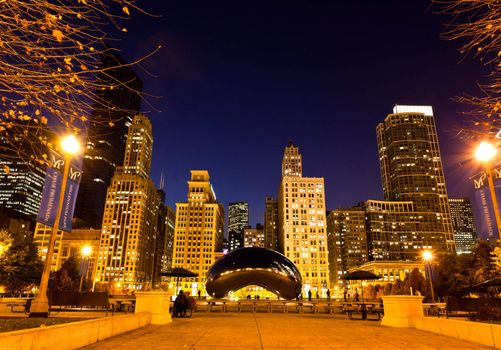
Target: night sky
{"points": [[239, 79]]}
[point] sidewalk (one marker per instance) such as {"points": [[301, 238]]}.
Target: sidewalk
{"points": [[278, 331]]}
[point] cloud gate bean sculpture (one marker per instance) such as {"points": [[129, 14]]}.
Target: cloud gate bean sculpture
{"points": [[254, 266]]}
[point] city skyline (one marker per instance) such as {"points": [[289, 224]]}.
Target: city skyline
{"points": [[243, 83]]}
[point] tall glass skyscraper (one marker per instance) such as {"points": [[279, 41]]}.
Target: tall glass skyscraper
{"points": [[411, 170]]}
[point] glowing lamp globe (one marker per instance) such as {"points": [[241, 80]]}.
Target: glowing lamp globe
{"points": [[70, 144], [427, 255], [485, 151], [86, 250]]}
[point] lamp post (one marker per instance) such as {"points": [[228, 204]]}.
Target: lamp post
{"points": [[485, 153], [40, 306], [85, 252], [427, 257]]}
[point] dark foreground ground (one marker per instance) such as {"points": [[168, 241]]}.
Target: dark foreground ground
{"points": [[8, 324]]}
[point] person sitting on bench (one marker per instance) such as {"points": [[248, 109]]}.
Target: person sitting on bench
{"points": [[180, 305]]}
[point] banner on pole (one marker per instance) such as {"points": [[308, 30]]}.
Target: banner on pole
{"points": [[70, 198], [50, 197], [483, 210], [52, 189]]}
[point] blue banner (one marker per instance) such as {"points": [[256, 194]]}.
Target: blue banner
{"points": [[483, 211], [50, 198], [70, 198], [52, 189]]}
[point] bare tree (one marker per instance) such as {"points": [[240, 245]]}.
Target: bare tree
{"points": [[50, 53], [477, 23]]}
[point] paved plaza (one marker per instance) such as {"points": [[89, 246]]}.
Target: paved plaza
{"points": [[278, 331]]}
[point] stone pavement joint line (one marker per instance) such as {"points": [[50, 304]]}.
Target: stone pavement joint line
{"points": [[259, 333], [263, 331]]}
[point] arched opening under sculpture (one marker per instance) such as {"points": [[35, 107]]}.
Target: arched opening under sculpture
{"points": [[254, 266]]}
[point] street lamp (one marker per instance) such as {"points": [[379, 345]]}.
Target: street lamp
{"points": [[40, 306], [485, 153], [427, 257], [85, 252]]}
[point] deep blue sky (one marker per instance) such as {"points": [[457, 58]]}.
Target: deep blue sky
{"points": [[238, 79]]}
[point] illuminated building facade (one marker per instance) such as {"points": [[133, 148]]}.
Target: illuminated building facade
{"points": [[347, 242], [390, 271], [238, 216], [106, 142], [129, 228], [170, 222], [465, 233], [394, 230], [198, 234], [292, 161], [21, 178], [271, 223], [411, 170], [68, 244], [236, 240], [302, 229], [254, 237]]}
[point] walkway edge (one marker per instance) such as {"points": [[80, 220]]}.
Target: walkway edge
{"points": [[73, 335]]}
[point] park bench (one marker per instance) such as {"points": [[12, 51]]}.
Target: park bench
{"points": [[369, 312], [468, 307], [79, 300], [20, 306]]}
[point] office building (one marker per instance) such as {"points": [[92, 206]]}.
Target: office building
{"points": [[21, 176], [411, 171], [69, 244], [198, 235], [465, 233], [254, 237], [235, 240], [128, 236], [394, 230], [238, 216], [271, 223], [292, 161], [347, 242], [114, 107], [302, 230]]}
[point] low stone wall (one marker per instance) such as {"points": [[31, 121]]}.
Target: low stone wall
{"points": [[477, 332], [73, 335]]}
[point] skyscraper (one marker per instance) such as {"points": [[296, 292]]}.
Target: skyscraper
{"points": [[465, 233], [411, 170], [198, 231], [292, 161], [302, 230], [394, 230], [254, 237], [238, 216], [116, 103], [271, 223], [127, 247], [21, 177], [235, 240], [347, 241]]}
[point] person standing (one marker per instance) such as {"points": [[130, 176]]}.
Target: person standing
{"points": [[328, 294], [309, 295]]}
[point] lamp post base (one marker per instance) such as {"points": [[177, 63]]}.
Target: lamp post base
{"points": [[39, 309]]}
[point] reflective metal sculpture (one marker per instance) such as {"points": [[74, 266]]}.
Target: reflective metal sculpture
{"points": [[254, 266]]}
